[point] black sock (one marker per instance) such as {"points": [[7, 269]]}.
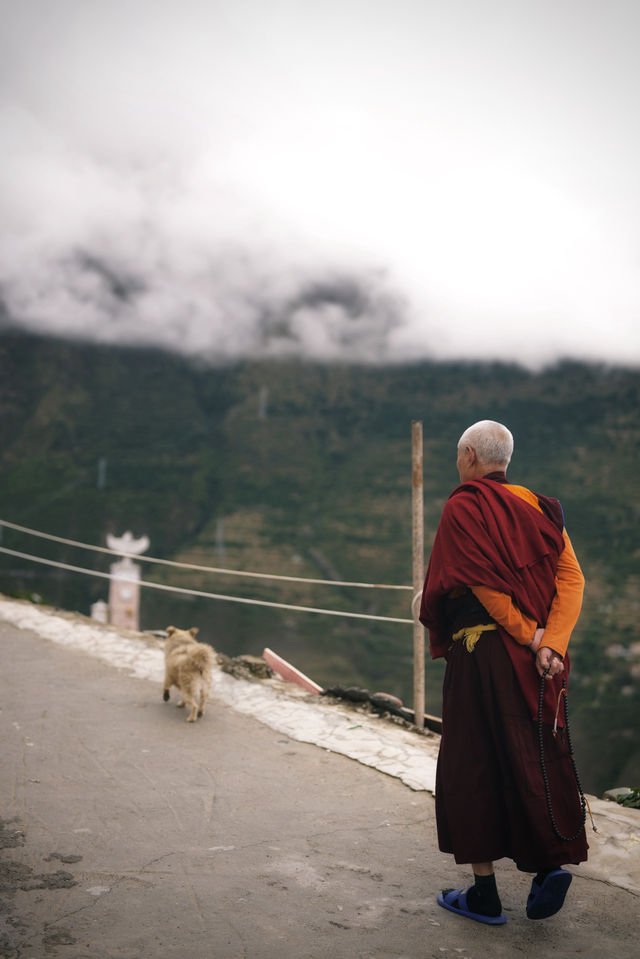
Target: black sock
{"points": [[483, 897], [541, 876]]}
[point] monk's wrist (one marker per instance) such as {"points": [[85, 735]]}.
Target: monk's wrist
{"points": [[536, 641]]}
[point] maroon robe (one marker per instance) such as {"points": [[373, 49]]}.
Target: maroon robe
{"points": [[489, 536], [490, 798]]}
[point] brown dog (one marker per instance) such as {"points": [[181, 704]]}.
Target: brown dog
{"points": [[188, 666]]}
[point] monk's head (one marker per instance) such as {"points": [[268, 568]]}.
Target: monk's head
{"points": [[483, 448]]}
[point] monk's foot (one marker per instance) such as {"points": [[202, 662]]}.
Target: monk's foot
{"points": [[457, 900]]}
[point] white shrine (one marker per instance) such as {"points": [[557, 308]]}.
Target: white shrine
{"points": [[124, 586]]}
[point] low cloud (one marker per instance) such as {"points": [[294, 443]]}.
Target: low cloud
{"points": [[204, 296], [231, 180], [160, 255]]}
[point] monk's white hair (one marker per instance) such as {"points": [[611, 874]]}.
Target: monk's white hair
{"points": [[492, 442]]}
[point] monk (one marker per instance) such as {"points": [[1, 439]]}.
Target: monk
{"points": [[502, 594]]}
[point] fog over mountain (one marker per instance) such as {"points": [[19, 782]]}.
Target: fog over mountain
{"points": [[339, 180]]}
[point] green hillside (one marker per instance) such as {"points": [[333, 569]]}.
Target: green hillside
{"points": [[305, 469]]}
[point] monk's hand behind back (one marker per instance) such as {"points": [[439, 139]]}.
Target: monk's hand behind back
{"points": [[536, 642], [549, 662]]}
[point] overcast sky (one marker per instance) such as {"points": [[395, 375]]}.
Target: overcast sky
{"points": [[369, 179]]}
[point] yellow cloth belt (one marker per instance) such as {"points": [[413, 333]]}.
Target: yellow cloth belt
{"points": [[471, 634]]}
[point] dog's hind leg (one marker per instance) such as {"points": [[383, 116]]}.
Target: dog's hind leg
{"points": [[193, 712], [189, 699], [166, 688]]}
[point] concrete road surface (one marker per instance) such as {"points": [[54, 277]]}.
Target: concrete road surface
{"points": [[128, 833]]}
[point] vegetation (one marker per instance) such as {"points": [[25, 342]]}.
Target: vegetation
{"points": [[305, 469], [630, 799]]}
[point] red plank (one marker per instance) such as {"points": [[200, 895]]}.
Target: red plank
{"points": [[286, 671]]}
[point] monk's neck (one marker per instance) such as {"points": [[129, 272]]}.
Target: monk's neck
{"points": [[499, 476]]}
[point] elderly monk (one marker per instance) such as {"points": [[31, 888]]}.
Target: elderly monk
{"points": [[502, 594]]}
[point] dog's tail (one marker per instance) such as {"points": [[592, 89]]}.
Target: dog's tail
{"points": [[203, 657]]}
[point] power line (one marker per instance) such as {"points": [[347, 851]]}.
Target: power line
{"points": [[194, 567], [201, 593]]}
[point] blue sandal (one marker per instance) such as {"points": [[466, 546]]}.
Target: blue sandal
{"points": [[547, 898], [455, 900]]}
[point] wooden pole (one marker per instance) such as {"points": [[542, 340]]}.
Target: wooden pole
{"points": [[417, 506]]}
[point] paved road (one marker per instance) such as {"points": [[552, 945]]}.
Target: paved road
{"points": [[129, 833]]}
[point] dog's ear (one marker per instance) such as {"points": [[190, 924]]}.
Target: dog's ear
{"points": [[170, 630], [194, 630]]}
